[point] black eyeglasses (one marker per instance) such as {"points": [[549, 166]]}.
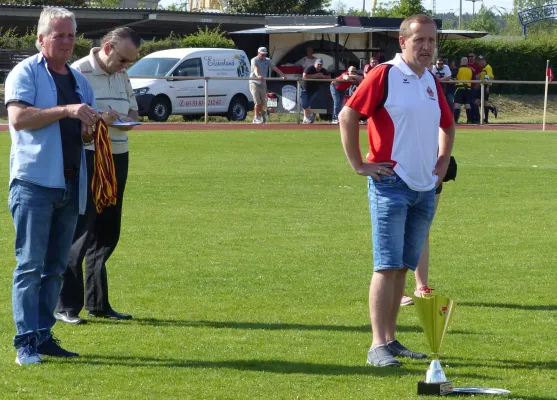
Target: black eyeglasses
{"points": [[123, 60], [472, 56]]}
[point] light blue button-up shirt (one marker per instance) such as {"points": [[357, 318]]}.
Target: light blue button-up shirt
{"points": [[36, 154]]}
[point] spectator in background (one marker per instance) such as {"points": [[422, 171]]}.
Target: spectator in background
{"points": [[443, 73], [486, 75], [368, 67], [476, 70], [463, 90], [260, 65], [450, 85], [310, 88], [308, 60], [339, 87]]}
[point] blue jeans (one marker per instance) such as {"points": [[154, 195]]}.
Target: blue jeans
{"points": [[400, 219], [338, 97], [306, 98], [44, 220]]}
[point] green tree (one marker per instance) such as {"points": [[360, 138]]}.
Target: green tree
{"points": [[484, 21], [213, 38], [177, 7], [342, 9], [400, 9], [280, 7]]}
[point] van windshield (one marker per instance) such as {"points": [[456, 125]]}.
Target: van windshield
{"points": [[152, 66]]}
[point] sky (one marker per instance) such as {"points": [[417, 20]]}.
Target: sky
{"points": [[442, 5]]}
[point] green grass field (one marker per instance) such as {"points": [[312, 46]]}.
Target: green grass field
{"points": [[245, 259]]}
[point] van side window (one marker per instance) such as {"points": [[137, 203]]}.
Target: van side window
{"points": [[191, 68]]}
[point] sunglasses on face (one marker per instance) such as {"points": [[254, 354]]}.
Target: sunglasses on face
{"points": [[122, 59]]}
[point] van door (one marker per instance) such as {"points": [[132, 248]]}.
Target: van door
{"points": [[188, 95]]}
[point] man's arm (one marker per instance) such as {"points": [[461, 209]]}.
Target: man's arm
{"points": [[349, 122], [255, 69], [446, 140], [278, 71], [22, 116]]}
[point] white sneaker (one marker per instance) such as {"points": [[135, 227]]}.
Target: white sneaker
{"points": [[312, 117], [28, 355], [257, 121], [334, 121], [307, 121]]}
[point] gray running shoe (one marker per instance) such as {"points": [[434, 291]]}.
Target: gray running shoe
{"points": [[381, 356], [398, 350]]}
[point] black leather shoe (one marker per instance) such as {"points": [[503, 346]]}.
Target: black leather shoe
{"points": [[110, 314]]}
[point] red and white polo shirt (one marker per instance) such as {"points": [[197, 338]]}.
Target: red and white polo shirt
{"points": [[404, 115]]}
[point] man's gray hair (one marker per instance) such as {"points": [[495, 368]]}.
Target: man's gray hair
{"points": [[47, 16]]}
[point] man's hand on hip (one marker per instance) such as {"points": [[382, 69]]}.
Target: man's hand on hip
{"points": [[375, 170]]}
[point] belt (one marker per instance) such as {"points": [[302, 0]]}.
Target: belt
{"points": [[70, 173]]}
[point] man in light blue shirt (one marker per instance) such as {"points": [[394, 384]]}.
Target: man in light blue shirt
{"points": [[51, 112]]}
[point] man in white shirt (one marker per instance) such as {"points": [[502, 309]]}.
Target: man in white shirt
{"points": [[410, 134], [97, 235], [308, 60]]}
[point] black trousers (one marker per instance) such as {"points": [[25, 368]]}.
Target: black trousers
{"points": [[95, 239]]}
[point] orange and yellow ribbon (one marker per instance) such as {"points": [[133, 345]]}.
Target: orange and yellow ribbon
{"points": [[104, 186]]}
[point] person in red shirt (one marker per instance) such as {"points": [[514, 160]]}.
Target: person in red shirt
{"points": [[368, 67], [411, 134], [339, 87]]}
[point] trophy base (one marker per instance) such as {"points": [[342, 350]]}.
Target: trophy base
{"points": [[435, 389]]}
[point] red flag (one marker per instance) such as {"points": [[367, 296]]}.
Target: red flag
{"points": [[549, 72]]}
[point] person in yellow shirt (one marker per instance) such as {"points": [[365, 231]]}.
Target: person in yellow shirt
{"points": [[463, 90], [486, 75]]}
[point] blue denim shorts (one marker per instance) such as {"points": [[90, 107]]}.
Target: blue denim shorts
{"points": [[306, 98], [400, 220]]}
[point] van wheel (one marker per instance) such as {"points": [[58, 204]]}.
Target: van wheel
{"points": [[160, 109], [238, 109]]}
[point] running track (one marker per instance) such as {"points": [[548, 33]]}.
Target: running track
{"points": [[292, 126]]}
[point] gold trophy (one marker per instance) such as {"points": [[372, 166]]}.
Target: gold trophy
{"points": [[435, 314]]}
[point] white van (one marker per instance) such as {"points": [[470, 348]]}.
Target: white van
{"points": [[159, 98]]}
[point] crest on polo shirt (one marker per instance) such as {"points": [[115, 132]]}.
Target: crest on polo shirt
{"points": [[430, 92]]}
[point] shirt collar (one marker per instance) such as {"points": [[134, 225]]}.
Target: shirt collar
{"points": [[403, 67], [97, 70]]}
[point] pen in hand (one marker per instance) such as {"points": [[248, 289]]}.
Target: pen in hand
{"points": [[119, 120]]}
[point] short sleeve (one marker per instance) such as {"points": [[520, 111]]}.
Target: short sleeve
{"points": [[271, 63], [447, 119], [252, 63], [20, 86], [308, 70], [370, 93]]}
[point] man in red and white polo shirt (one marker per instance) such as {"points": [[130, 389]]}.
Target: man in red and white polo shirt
{"points": [[411, 133]]}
